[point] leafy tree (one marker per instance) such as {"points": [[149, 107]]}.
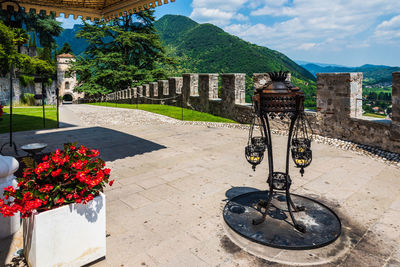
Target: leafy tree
{"points": [[11, 39], [66, 49], [123, 52], [45, 26]]}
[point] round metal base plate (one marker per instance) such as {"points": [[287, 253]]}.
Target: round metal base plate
{"points": [[322, 224]]}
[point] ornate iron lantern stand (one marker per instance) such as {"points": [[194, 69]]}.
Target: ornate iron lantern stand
{"points": [[276, 217], [279, 98]]}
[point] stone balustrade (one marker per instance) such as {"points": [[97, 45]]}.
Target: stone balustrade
{"points": [[339, 104]]}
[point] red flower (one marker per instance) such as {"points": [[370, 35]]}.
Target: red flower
{"points": [[1, 110], [46, 188], [95, 153], [82, 150], [10, 189], [111, 182], [78, 174], [56, 173]]}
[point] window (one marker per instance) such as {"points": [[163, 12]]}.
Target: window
{"points": [[66, 85]]}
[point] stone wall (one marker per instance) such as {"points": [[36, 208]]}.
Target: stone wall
{"points": [[338, 115]]}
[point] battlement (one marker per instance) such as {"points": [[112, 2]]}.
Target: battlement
{"points": [[339, 103]]}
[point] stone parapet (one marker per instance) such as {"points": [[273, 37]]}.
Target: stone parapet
{"points": [[163, 88], [153, 89], [175, 85], [338, 94], [146, 90], [232, 92], [208, 89], [190, 86], [395, 131]]}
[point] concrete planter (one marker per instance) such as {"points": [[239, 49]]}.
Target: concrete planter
{"points": [[8, 165], [72, 235]]}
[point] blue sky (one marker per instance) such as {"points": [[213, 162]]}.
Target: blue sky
{"points": [[344, 32]]}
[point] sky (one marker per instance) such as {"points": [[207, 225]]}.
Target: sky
{"points": [[343, 32]]}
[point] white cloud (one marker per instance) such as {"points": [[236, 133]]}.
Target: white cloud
{"points": [[315, 24], [388, 30], [219, 12]]}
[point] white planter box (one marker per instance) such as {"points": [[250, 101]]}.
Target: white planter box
{"points": [[8, 225], [72, 235], [8, 165]]}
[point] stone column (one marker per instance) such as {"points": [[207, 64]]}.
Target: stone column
{"points": [[395, 128], [134, 92], [233, 88], [190, 86], [153, 89], [261, 79], [146, 90], [337, 94], [208, 89], [163, 89], [175, 85]]}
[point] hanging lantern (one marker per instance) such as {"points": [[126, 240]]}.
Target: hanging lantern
{"points": [[256, 145], [301, 143]]}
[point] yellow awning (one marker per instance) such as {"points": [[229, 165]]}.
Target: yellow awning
{"points": [[88, 9]]}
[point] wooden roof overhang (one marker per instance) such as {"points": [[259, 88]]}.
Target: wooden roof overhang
{"points": [[88, 9]]}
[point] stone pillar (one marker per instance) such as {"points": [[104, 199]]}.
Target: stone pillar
{"points": [[146, 90], [153, 89], [233, 89], [134, 92], [337, 94], [395, 128], [175, 85], [140, 91], [163, 89], [8, 166], [261, 79], [190, 86], [208, 89]]}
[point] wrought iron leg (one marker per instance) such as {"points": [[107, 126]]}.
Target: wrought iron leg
{"points": [[300, 227], [264, 205]]}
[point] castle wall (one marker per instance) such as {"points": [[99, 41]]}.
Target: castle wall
{"points": [[338, 115]]}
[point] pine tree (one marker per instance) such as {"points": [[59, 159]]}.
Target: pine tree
{"points": [[121, 53]]}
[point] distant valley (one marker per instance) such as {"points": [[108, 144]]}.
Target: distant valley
{"points": [[374, 75]]}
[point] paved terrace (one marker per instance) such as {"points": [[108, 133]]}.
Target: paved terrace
{"points": [[172, 179]]}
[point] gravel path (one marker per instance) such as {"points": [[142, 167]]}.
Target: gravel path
{"points": [[109, 116]]}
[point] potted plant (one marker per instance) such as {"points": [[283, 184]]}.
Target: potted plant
{"points": [[63, 207]]}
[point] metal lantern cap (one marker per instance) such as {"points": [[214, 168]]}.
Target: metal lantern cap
{"points": [[279, 83]]}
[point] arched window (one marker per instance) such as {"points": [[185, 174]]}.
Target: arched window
{"points": [[66, 85]]}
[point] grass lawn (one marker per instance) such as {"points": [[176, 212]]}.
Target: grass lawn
{"points": [[29, 118], [374, 115], [171, 111]]}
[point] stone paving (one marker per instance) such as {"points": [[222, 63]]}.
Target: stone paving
{"points": [[165, 208]]}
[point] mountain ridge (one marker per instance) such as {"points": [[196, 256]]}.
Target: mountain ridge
{"points": [[214, 50]]}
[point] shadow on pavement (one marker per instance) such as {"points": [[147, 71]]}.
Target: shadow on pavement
{"points": [[112, 144]]}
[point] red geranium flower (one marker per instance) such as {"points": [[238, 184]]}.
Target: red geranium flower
{"points": [[64, 177]]}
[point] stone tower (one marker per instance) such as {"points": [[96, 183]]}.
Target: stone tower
{"points": [[66, 83]]}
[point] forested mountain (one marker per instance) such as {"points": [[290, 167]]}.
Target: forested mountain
{"points": [[210, 49], [373, 74], [68, 36]]}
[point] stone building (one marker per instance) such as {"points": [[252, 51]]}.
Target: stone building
{"points": [[64, 83], [67, 83]]}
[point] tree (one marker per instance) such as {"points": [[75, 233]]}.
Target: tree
{"points": [[11, 39], [123, 52], [66, 49], [45, 26]]}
